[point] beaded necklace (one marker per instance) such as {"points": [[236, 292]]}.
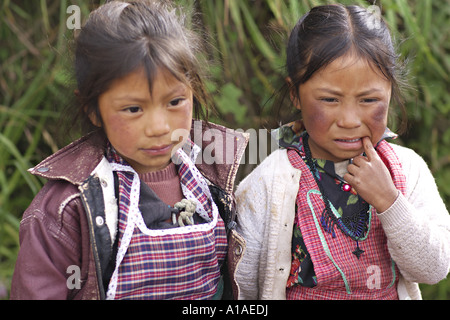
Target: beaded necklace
{"points": [[355, 226]]}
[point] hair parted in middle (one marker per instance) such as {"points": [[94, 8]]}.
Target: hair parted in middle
{"points": [[328, 32], [120, 37]]}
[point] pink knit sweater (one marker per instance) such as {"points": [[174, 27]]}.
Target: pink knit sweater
{"points": [[165, 183]]}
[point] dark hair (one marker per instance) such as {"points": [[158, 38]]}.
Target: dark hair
{"points": [[328, 32], [120, 37]]}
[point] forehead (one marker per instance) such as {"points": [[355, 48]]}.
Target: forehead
{"points": [[138, 86], [351, 62], [140, 77], [350, 70]]}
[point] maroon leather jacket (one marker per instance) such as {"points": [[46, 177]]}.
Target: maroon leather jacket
{"points": [[62, 239]]}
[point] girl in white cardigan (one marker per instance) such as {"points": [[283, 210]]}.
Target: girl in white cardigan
{"points": [[337, 212]]}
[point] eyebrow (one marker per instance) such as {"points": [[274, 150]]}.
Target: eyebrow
{"points": [[178, 89], [361, 94], [330, 91], [130, 97]]}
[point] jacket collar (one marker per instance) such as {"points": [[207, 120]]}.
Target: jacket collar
{"points": [[226, 145], [76, 162]]}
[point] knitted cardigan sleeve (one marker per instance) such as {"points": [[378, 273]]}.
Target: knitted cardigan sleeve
{"points": [[251, 217], [417, 225], [266, 210]]}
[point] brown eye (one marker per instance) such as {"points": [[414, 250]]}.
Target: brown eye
{"points": [[176, 102], [329, 100], [133, 109], [370, 100]]}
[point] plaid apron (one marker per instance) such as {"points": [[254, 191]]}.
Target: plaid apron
{"points": [[175, 263], [340, 274]]}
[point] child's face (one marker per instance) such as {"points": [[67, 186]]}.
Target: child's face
{"points": [[342, 103], [139, 123]]}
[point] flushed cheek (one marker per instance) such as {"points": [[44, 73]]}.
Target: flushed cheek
{"points": [[184, 120], [380, 113], [120, 134], [378, 120], [181, 125], [316, 118]]}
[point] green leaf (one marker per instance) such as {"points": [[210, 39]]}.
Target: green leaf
{"points": [[228, 102], [352, 199]]}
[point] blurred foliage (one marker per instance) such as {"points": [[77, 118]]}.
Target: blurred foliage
{"points": [[247, 40]]}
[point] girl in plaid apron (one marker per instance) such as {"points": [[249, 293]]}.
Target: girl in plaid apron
{"points": [[134, 214], [173, 263]]}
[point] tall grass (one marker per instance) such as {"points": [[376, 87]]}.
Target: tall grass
{"points": [[247, 69], [33, 88]]}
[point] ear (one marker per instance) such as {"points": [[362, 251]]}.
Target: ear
{"points": [[94, 118], [293, 93], [92, 114]]}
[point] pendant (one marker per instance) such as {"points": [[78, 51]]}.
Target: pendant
{"points": [[358, 252], [186, 210], [346, 187]]}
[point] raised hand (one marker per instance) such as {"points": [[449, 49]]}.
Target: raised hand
{"points": [[371, 179]]}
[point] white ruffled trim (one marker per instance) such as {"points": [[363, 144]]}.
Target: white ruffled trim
{"points": [[135, 217]]}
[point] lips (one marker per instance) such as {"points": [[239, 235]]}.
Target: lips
{"points": [[349, 144], [349, 140], [158, 150]]}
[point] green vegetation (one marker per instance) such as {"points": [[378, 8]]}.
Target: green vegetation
{"points": [[247, 69]]}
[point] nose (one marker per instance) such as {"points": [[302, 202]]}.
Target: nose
{"points": [[156, 123], [349, 117]]}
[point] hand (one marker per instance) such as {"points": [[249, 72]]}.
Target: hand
{"points": [[371, 179]]}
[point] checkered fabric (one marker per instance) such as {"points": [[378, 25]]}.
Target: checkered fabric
{"points": [[340, 274], [176, 263]]}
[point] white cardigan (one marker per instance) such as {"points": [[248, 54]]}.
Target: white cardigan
{"points": [[417, 227]]}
